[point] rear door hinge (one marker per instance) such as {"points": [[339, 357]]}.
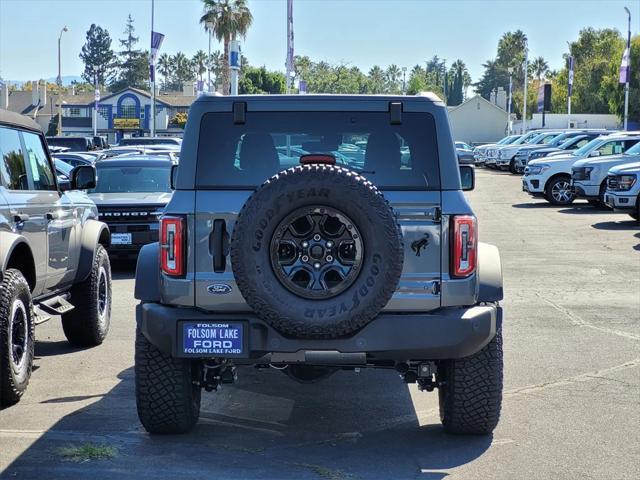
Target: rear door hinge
{"points": [[434, 214]]}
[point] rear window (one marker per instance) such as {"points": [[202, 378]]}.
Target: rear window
{"points": [[123, 179], [77, 144], [391, 156]]}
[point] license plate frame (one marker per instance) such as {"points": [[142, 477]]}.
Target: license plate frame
{"points": [[219, 339], [121, 239]]}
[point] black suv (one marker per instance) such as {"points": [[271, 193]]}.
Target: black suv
{"points": [[317, 234], [131, 193], [53, 258]]}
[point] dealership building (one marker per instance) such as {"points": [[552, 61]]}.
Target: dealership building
{"points": [[121, 114]]}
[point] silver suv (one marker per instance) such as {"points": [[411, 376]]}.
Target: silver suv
{"points": [[317, 234], [52, 253]]}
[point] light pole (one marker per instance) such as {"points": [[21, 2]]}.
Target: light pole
{"points": [[59, 81], [526, 78], [510, 69], [628, 67], [209, 26], [404, 80]]}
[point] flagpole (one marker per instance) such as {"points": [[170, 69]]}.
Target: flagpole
{"points": [[153, 79], [289, 44], [626, 86], [570, 90]]}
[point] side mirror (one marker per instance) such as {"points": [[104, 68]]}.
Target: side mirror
{"points": [[174, 177], [64, 184], [467, 177], [83, 177], [595, 153]]}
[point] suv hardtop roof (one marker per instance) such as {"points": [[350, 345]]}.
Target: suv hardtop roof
{"points": [[16, 120], [323, 98]]}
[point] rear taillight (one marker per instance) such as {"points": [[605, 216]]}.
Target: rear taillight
{"points": [[172, 245], [464, 245]]}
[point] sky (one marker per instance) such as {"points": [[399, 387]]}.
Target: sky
{"points": [[356, 32]]}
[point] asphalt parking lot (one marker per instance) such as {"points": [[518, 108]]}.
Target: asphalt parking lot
{"points": [[572, 381]]}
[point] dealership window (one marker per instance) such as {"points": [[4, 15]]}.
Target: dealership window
{"points": [[128, 108], [73, 111]]}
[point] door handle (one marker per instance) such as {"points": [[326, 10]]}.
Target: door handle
{"points": [[52, 215], [20, 217]]}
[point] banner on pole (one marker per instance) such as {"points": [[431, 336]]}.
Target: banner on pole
{"points": [[156, 43], [570, 88], [624, 66]]}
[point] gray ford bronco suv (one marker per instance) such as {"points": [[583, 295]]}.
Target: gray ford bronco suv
{"points": [[52, 256], [316, 234]]}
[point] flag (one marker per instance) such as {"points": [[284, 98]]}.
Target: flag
{"points": [[570, 89], [290, 62], [156, 42], [541, 97], [624, 66]]}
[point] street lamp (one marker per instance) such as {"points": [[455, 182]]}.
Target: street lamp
{"points": [[510, 69], [628, 72], [209, 26], [59, 81], [404, 80]]}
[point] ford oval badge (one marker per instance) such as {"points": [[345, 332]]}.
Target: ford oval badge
{"points": [[219, 289]]}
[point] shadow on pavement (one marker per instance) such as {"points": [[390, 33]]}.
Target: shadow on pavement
{"points": [[265, 426], [585, 209], [123, 269], [533, 205], [617, 225]]}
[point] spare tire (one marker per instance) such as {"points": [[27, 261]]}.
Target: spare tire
{"points": [[317, 251]]}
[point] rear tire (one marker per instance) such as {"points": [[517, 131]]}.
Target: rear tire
{"points": [[558, 191], [167, 398], [471, 391], [16, 336], [87, 324]]}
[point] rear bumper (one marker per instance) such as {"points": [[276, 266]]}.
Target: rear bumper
{"points": [[444, 334]]}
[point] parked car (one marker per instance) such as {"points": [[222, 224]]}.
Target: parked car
{"points": [[317, 269], [493, 152], [75, 159], [480, 152], [506, 155], [130, 194], [623, 189], [589, 176], [464, 153], [550, 177], [74, 144], [569, 145], [570, 140], [138, 141], [52, 253]]}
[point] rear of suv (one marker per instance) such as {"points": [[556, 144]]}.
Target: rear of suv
{"points": [[316, 234]]}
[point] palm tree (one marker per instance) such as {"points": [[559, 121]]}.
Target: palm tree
{"points": [[540, 68], [165, 67], [183, 69], [226, 19], [376, 79], [392, 77], [199, 61]]}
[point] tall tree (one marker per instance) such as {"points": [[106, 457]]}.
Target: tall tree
{"points": [[97, 56], [165, 68], [393, 77], [183, 71], [199, 61], [376, 80], [227, 19], [134, 63], [456, 82], [540, 68]]}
